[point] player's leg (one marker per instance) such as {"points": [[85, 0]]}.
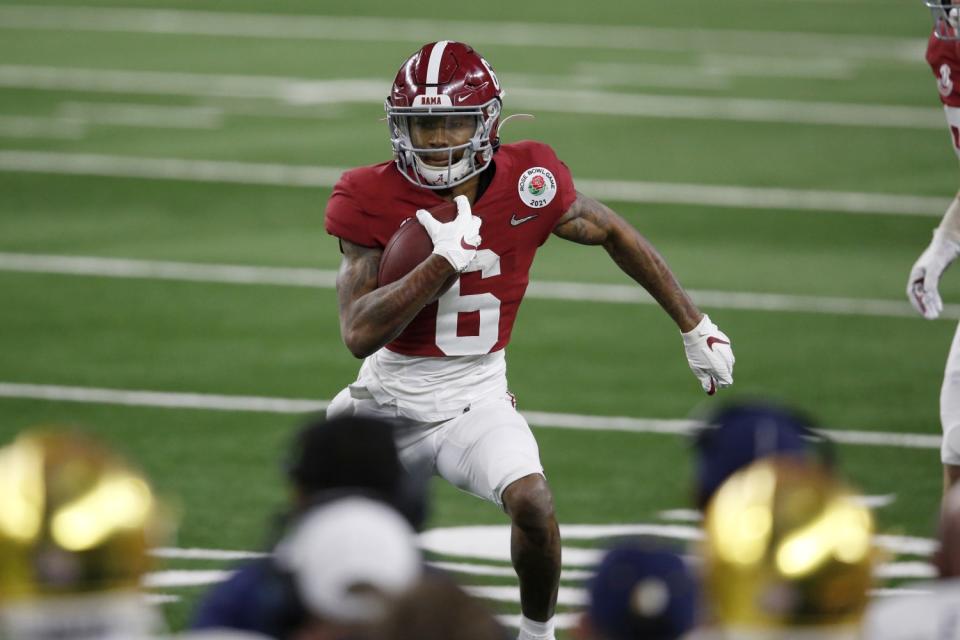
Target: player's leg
{"points": [[491, 453], [416, 441], [534, 546], [950, 415], [951, 474]]}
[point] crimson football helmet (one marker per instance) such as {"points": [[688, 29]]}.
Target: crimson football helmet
{"points": [[448, 80], [946, 19]]}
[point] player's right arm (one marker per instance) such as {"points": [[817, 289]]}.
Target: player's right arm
{"points": [[370, 317]]}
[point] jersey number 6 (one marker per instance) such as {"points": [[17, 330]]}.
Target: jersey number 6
{"points": [[452, 304]]}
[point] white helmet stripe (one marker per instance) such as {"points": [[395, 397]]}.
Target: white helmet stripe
{"points": [[433, 66]]}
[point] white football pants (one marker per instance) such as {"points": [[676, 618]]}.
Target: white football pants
{"points": [[481, 451], [950, 405]]}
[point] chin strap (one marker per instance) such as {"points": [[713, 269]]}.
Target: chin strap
{"points": [[437, 176]]}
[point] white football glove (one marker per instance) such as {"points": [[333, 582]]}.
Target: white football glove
{"points": [[709, 355], [925, 275], [457, 240]]}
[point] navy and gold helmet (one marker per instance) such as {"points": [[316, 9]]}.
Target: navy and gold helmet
{"points": [[787, 546], [76, 525]]}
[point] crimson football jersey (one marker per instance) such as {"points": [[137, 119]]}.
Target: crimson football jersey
{"points": [[943, 56], [531, 189]]}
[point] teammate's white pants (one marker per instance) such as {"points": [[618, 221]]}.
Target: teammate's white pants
{"points": [[950, 405], [482, 451]]}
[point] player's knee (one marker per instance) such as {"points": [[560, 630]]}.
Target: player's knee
{"points": [[529, 503]]}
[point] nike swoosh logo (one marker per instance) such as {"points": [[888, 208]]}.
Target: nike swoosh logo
{"points": [[468, 247], [514, 220], [917, 291], [464, 97], [712, 340]]}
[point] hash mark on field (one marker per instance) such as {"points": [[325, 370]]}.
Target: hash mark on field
{"points": [[543, 290], [215, 402]]}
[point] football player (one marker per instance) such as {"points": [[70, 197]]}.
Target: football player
{"points": [[787, 554], [943, 56], [933, 616], [441, 363], [76, 527]]}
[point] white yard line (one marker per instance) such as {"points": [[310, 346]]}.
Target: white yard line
{"points": [[85, 164], [711, 71], [284, 89], [312, 91], [567, 596], [897, 593], [692, 515], [818, 67], [560, 620], [143, 115], [205, 554], [41, 127], [162, 270], [476, 569], [715, 108], [612, 74], [902, 570], [214, 171], [416, 30], [159, 399], [160, 598], [183, 578], [259, 404], [908, 545], [543, 290]]}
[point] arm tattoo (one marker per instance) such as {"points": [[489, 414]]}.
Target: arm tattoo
{"points": [[593, 223], [370, 317]]}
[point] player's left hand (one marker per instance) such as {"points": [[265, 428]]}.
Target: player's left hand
{"points": [[710, 355], [922, 287]]}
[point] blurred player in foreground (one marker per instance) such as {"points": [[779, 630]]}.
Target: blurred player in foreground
{"points": [[328, 459], [441, 364], [438, 609], [943, 56], [347, 561], [788, 554], [76, 525], [737, 434], [640, 592], [934, 614]]}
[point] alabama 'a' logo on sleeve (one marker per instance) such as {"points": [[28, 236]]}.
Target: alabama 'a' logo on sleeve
{"points": [[537, 187]]}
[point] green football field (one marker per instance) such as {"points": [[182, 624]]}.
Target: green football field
{"points": [[163, 174]]}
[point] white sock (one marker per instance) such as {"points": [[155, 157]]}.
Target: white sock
{"points": [[533, 630]]}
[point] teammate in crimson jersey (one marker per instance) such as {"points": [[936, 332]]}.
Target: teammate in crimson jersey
{"points": [[943, 56], [441, 364]]}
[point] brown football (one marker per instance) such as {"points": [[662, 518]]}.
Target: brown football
{"points": [[410, 246]]}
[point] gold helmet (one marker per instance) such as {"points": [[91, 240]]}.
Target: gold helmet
{"points": [[76, 525], [788, 546]]}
